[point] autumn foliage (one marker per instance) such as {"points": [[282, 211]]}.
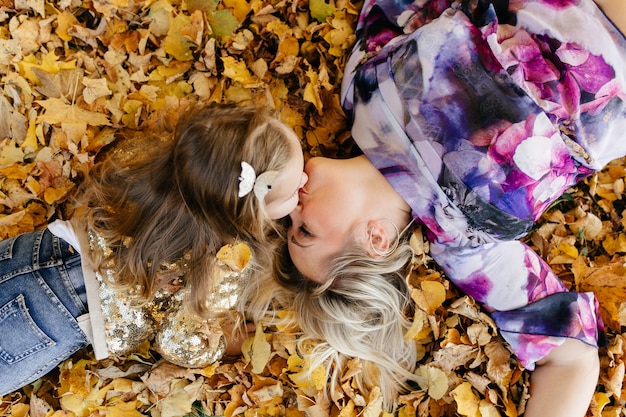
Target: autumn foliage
{"points": [[80, 79]]}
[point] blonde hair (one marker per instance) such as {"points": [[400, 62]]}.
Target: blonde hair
{"points": [[359, 311], [180, 200]]}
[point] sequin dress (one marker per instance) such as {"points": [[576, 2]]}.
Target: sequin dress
{"points": [[120, 322], [480, 114]]}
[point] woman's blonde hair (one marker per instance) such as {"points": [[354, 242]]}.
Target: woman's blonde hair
{"points": [[180, 200], [360, 311]]}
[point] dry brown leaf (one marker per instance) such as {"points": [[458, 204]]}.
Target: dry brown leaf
{"points": [[608, 283]]}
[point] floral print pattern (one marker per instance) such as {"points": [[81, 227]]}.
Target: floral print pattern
{"points": [[480, 117]]}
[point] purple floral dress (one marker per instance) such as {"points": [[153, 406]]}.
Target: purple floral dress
{"points": [[480, 114]]}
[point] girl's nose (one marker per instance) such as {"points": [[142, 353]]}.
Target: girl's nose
{"points": [[304, 179]]}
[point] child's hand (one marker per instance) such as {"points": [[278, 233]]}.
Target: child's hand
{"points": [[235, 338]]}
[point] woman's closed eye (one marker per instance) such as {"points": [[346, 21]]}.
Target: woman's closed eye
{"points": [[303, 231]]}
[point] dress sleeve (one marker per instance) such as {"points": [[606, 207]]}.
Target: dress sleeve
{"points": [[188, 341], [531, 306]]}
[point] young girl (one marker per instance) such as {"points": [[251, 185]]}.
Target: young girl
{"points": [[473, 117], [138, 258]]}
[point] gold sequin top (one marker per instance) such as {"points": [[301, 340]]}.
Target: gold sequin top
{"points": [[178, 336]]}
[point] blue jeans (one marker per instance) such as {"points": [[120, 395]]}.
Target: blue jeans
{"points": [[42, 291]]}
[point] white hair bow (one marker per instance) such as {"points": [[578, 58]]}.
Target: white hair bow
{"points": [[248, 181]]}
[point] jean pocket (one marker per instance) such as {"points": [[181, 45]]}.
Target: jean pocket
{"points": [[21, 335]]}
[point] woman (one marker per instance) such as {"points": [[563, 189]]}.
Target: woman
{"points": [[472, 118]]}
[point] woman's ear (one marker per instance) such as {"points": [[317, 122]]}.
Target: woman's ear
{"points": [[378, 240]]}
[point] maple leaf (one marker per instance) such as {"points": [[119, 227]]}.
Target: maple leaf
{"points": [[607, 283], [58, 111], [62, 83], [49, 63]]}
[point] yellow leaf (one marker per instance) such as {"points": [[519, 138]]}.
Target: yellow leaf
{"points": [[487, 409], [601, 400], [279, 28], [320, 10], [318, 378], [170, 72], [19, 410], [374, 405], [65, 20], [430, 297], [95, 88], [348, 410], [109, 7], [132, 109], [342, 37], [303, 376], [11, 153], [123, 409], [53, 195], [176, 44], [418, 330], [80, 405], [62, 413], [608, 283], [288, 46], [432, 379], [568, 249], [160, 13], [49, 63], [265, 390], [311, 90], [260, 350], [467, 402], [237, 71], [236, 257], [58, 111], [102, 138], [239, 8], [30, 143], [178, 402], [195, 28], [614, 244]]}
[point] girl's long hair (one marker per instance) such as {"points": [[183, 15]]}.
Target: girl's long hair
{"points": [[179, 200]]}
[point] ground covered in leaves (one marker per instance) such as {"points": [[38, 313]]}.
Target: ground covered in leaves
{"points": [[79, 77]]}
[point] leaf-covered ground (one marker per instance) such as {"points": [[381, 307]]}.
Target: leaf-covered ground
{"points": [[79, 78]]}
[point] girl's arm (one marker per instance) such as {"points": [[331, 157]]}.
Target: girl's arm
{"points": [[616, 11], [564, 381]]}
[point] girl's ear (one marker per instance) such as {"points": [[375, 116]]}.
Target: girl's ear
{"points": [[378, 239]]}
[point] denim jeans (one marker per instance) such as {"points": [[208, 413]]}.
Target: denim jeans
{"points": [[42, 291]]}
